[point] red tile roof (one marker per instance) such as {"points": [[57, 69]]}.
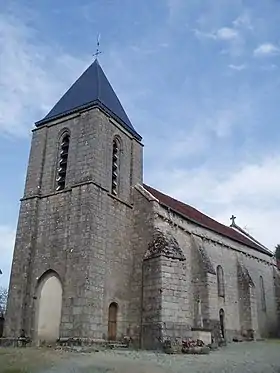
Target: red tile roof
{"points": [[203, 220]]}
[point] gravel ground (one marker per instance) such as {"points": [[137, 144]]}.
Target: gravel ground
{"points": [[253, 357]]}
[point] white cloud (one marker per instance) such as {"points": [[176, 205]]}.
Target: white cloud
{"points": [[230, 37], [266, 49], [243, 21], [237, 67], [7, 238], [252, 182], [31, 80], [249, 191], [202, 34], [226, 33]]}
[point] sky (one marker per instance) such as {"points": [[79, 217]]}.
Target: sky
{"points": [[199, 80]]}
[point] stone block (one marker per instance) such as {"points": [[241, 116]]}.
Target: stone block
{"points": [[203, 335]]}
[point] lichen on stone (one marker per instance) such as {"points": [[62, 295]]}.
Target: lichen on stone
{"points": [[164, 244], [243, 271], [206, 262]]}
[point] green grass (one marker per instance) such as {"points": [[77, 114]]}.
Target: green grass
{"points": [[27, 360], [273, 340], [15, 369]]}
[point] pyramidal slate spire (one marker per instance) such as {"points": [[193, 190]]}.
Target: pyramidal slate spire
{"points": [[91, 89]]}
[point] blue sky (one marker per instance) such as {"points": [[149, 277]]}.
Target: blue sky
{"points": [[199, 80]]}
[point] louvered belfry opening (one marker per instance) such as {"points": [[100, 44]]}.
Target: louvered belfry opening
{"points": [[62, 164], [115, 166]]}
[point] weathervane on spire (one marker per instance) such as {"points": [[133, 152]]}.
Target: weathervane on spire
{"points": [[97, 47]]}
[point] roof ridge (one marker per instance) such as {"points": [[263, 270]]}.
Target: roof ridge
{"points": [[204, 220], [183, 203], [97, 78], [234, 225]]}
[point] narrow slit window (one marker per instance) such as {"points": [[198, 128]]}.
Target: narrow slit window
{"points": [[221, 282], [115, 167], [263, 301], [62, 163]]}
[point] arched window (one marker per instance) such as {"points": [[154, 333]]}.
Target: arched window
{"points": [[220, 281], [263, 302], [62, 162], [115, 166]]}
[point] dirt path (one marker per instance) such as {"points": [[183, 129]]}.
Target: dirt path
{"points": [[253, 357], [259, 357]]}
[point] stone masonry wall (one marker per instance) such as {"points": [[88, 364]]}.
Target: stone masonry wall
{"points": [[167, 289], [277, 295], [24, 243], [176, 313], [90, 153], [165, 302], [200, 279], [83, 233], [225, 252], [177, 286], [267, 320], [230, 302], [151, 325], [16, 315], [143, 227]]}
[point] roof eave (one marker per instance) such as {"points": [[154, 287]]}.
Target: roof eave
{"points": [[91, 104], [248, 236], [260, 249]]}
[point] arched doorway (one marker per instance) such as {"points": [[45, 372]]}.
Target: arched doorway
{"points": [[48, 307], [112, 321], [222, 322]]}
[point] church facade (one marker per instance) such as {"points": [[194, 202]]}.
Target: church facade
{"points": [[100, 255]]}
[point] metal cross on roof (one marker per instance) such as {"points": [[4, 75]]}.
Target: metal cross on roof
{"points": [[233, 219]]}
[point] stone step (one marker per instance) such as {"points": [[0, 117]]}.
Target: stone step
{"points": [[91, 342], [113, 344]]}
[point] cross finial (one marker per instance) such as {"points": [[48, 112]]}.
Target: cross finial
{"points": [[232, 220], [97, 47]]}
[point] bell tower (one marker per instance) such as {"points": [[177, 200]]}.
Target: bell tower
{"points": [[72, 256]]}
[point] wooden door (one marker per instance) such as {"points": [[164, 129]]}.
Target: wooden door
{"points": [[112, 322]]}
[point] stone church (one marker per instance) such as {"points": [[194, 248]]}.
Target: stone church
{"points": [[100, 255]]}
